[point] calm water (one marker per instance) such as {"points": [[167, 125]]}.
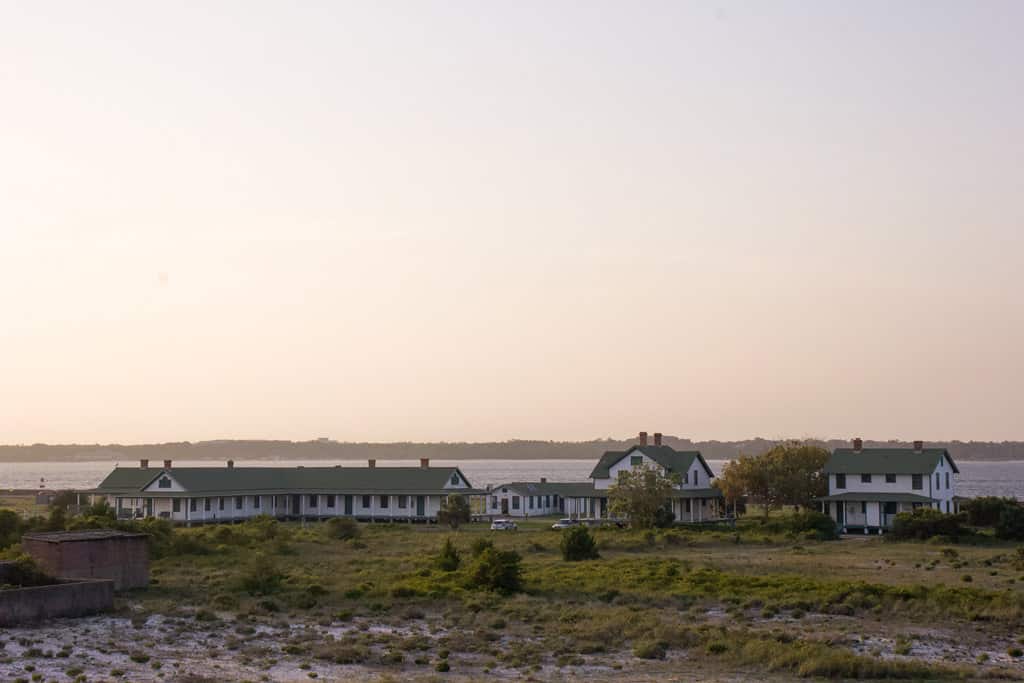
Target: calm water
{"points": [[976, 478]]}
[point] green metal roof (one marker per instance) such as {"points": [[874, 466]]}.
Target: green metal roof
{"points": [[268, 480], [887, 461], [672, 460], [573, 489], [869, 496]]}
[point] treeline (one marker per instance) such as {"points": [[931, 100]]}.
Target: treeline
{"points": [[501, 450]]}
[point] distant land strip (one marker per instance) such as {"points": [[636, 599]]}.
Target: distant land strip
{"points": [[324, 449]]}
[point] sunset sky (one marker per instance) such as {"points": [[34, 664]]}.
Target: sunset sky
{"points": [[479, 221]]}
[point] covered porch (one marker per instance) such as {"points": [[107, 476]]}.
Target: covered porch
{"points": [[866, 512], [698, 505]]}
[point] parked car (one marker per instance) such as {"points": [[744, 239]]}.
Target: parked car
{"points": [[565, 523], [503, 525]]}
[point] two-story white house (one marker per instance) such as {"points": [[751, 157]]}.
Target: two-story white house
{"points": [[868, 487], [694, 498]]}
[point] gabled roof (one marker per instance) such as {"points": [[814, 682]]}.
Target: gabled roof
{"points": [[209, 480], [672, 460], [887, 461], [573, 489]]}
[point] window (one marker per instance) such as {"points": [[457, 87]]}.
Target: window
{"points": [[947, 480], [515, 502], [384, 501], [937, 483], [947, 507], [863, 508], [531, 502], [367, 502], [840, 481], [164, 483], [403, 502], [636, 460], [696, 478], [547, 501], [176, 505], [890, 479], [865, 478], [220, 504], [330, 501], [206, 504], [455, 479], [238, 502], [313, 501], [688, 505], [494, 501], [915, 482], [256, 502], [192, 504]]}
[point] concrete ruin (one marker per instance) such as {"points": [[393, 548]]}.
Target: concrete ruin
{"points": [[119, 556]]}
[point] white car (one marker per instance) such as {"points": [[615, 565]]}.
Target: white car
{"points": [[565, 524], [503, 525]]}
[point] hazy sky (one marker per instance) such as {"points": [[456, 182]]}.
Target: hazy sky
{"points": [[473, 221]]}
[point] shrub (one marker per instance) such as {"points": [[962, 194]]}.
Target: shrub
{"points": [[497, 570], [821, 525], [650, 649], [1010, 524], [342, 528], [578, 544], [449, 559], [924, 523], [986, 510], [262, 576], [479, 546], [664, 518]]}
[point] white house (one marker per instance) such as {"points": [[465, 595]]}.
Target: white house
{"points": [[694, 498], [218, 494], [528, 499], [867, 487]]}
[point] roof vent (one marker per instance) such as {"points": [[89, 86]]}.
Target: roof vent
{"points": [[918, 446], [858, 445], [642, 438]]}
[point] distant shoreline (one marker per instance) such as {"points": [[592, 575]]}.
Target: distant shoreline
{"points": [[258, 450]]}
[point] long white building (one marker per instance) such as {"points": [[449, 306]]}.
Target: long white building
{"points": [[222, 494]]}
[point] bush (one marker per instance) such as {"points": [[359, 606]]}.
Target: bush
{"points": [[262, 576], [821, 525], [497, 570], [449, 559], [664, 518], [924, 523], [1010, 524], [454, 511], [578, 544], [986, 510], [342, 528], [479, 546], [650, 649]]}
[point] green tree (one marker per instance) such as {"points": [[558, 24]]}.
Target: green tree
{"points": [[449, 558], [791, 473], [497, 570], [639, 493], [454, 511]]}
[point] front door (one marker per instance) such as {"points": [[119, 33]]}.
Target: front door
{"points": [[840, 513], [296, 505], [421, 505], [504, 506], [149, 507], [348, 505], [888, 511]]}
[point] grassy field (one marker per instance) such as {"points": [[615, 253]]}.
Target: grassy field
{"points": [[288, 602]]}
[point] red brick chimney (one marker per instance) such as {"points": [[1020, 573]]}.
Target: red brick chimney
{"points": [[424, 463], [231, 464], [543, 480], [858, 445], [371, 463], [167, 464], [918, 446], [643, 438], [657, 438], [144, 464]]}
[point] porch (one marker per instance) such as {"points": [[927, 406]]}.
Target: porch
{"points": [[866, 512]]}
